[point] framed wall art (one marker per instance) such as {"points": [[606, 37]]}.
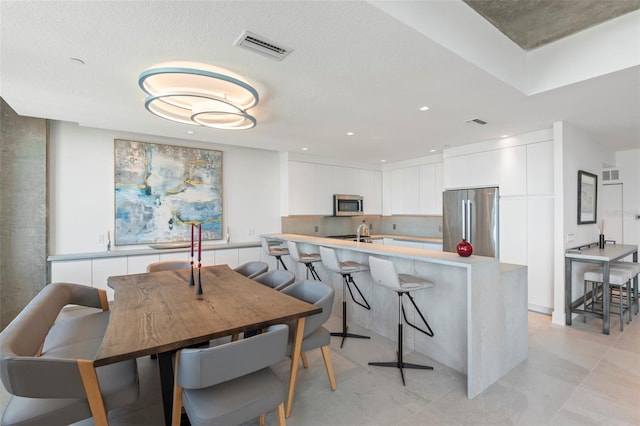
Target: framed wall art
{"points": [[587, 197], [161, 190]]}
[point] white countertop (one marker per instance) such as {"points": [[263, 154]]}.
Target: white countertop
{"points": [[610, 252], [403, 252]]}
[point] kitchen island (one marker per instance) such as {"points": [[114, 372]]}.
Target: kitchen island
{"points": [[477, 309]]}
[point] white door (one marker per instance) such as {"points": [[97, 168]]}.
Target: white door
{"points": [[612, 212]]}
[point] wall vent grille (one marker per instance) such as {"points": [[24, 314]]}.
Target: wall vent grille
{"points": [[262, 46], [610, 176]]}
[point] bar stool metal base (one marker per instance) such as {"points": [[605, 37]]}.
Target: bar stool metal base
{"points": [[347, 279], [311, 269], [399, 363]]}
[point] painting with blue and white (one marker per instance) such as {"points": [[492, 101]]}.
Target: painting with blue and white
{"points": [[161, 190]]}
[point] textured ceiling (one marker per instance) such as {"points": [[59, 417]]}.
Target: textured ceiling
{"points": [[357, 66], [534, 23]]}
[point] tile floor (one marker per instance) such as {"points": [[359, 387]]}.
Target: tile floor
{"points": [[574, 376]]}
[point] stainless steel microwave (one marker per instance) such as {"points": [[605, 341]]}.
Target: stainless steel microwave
{"points": [[347, 205]]}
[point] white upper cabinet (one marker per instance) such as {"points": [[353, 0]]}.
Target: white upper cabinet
{"points": [[346, 180], [412, 190], [484, 169], [540, 168], [323, 189], [431, 189], [311, 187], [513, 170], [387, 199], [370, 189], [301, 188], [397, 191], [456, 172]]}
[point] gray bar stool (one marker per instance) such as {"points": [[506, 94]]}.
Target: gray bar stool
{"points": [[306, 258], [275, 250], [384, 272], [619, 280], [331, 262]]}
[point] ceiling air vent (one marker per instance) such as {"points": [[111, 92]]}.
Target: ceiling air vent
{"points": [[263, 46], [476, 121]]}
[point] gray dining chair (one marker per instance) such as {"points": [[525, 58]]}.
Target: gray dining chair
{"points": [[315, 335], [232, 383], [252, 269], [277, 279], [168, 265]]}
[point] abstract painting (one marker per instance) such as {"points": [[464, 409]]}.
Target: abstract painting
{"points": [[161, 190]]}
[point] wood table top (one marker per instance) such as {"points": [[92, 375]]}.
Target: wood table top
{"points": [[158, 311]]}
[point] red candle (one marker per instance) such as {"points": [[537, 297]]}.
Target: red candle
{"points": [[199, 242], [192, 240]]}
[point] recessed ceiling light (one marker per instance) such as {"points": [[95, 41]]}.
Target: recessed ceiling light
{"points": [[190, 132], [424, 108], [504, 136], [383, 161], [305, 149], [432, 150], [350, 133]]}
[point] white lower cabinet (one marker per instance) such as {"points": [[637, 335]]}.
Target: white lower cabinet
{"points": [[95, 272], [104, 268], [71, 271]]}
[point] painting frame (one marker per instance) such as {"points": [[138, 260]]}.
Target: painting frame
{"points": [[587, 197], [162, 192]]}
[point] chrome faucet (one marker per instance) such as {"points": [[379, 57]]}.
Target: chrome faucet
{"points": [[363, 230]]}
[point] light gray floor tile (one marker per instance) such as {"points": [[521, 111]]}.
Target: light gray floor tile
{"points": [[573, 376]]}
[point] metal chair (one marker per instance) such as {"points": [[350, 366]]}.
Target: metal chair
{"points": [[277, 279], [275, 250], [315, 335], [231, 383], [384, 272], [306, 258], [168, 265], [252, 269], [331, 262]]}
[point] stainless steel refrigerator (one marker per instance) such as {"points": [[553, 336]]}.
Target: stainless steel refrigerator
{"points": [[471, 214]]}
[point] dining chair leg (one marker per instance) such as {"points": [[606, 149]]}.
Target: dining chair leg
{"points": [[281, 417], [305, 362], [176, 413], [326, 355], [295, 359], [261, 419]]}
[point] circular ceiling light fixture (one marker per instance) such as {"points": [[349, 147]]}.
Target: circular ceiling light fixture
{"points": [[199, 94]]}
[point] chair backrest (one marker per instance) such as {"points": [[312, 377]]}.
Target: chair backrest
{"points": [[168, 265], [265, 245], [317, 293], [330, 259], [384, 272], [203, 367], [293, 250], [252, 269], [277, 279]]}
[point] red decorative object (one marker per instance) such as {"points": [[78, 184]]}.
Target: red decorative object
{"points": [[464, 248]]}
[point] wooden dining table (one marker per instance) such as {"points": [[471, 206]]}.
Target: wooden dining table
{"points": [[159, 313]]}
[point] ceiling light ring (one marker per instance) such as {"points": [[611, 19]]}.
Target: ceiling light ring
{"points": [[153, 72], [189, 116]]}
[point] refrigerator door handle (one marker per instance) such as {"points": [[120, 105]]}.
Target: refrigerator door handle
{"points": [[469, 221], [464, 219]]}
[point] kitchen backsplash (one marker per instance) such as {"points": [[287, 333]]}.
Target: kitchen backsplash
{"points": [[322, 226]]}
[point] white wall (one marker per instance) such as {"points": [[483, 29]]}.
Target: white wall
{"points": [[81, 205], [578, 151], [581, 153], [629, 164]]}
